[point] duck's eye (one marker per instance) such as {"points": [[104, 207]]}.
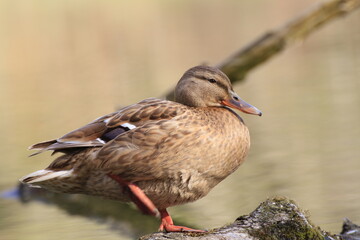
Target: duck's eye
{"points": [[212, 80]]}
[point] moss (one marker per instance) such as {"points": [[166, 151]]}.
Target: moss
{"points": [[275, 219], [289, 230], [280, 218]]}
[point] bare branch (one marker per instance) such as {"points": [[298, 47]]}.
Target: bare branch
{"points": [[259, 51]]}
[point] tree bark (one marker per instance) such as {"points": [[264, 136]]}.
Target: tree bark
{"points": [[276, 218]]}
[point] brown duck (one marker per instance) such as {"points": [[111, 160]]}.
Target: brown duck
{"points": [[155, 153]]}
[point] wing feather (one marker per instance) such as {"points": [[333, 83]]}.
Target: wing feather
{"points": [[106, 128]]}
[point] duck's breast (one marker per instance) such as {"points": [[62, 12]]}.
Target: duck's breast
{"points": [[205, 148]]}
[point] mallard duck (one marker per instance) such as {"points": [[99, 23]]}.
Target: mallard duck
{"points": [[155, 153]]}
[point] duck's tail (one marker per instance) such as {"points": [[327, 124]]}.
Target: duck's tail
{"points": [[37, 177]]}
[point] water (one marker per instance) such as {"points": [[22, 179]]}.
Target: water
{"points": [[63, 64]]}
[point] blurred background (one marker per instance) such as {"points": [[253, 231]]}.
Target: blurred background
{"points": [[65, 63]]}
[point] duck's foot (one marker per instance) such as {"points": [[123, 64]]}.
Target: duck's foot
{"points": [[167, 224], [142, 201]]}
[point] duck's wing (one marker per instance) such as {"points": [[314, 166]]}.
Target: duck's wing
{"points": [[106, 128], [147, 151]]}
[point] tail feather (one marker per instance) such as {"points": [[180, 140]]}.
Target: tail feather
{"points": [[64, 146], [42, 145], [44, 175]]}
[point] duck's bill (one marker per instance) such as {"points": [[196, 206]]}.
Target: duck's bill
{"points": [[242, 106]]}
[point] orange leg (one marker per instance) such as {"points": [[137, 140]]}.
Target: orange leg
{"points": [[144, 204], [167, 224]]}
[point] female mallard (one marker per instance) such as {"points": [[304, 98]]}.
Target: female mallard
{"points": [[156, 153]]}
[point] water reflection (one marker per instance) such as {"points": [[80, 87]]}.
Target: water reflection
{"points": [[128, 220], [64, 64]]}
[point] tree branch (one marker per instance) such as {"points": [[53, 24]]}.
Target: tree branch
{"points": [[268, 45]]}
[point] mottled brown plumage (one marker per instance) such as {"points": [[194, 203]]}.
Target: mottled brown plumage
{"points": [[175, 152]]}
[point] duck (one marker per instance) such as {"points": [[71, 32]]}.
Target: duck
{"points": [[155, 153]]}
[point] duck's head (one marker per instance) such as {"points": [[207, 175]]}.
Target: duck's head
{"points": [[204, 86]]}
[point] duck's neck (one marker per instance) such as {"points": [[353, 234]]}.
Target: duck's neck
{"points": [[219, 116]]}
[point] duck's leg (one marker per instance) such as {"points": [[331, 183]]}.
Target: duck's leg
{"points": [[167, 224], [144, 204]]}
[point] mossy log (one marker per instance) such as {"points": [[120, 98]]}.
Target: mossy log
{"points": [[276, 218]]}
